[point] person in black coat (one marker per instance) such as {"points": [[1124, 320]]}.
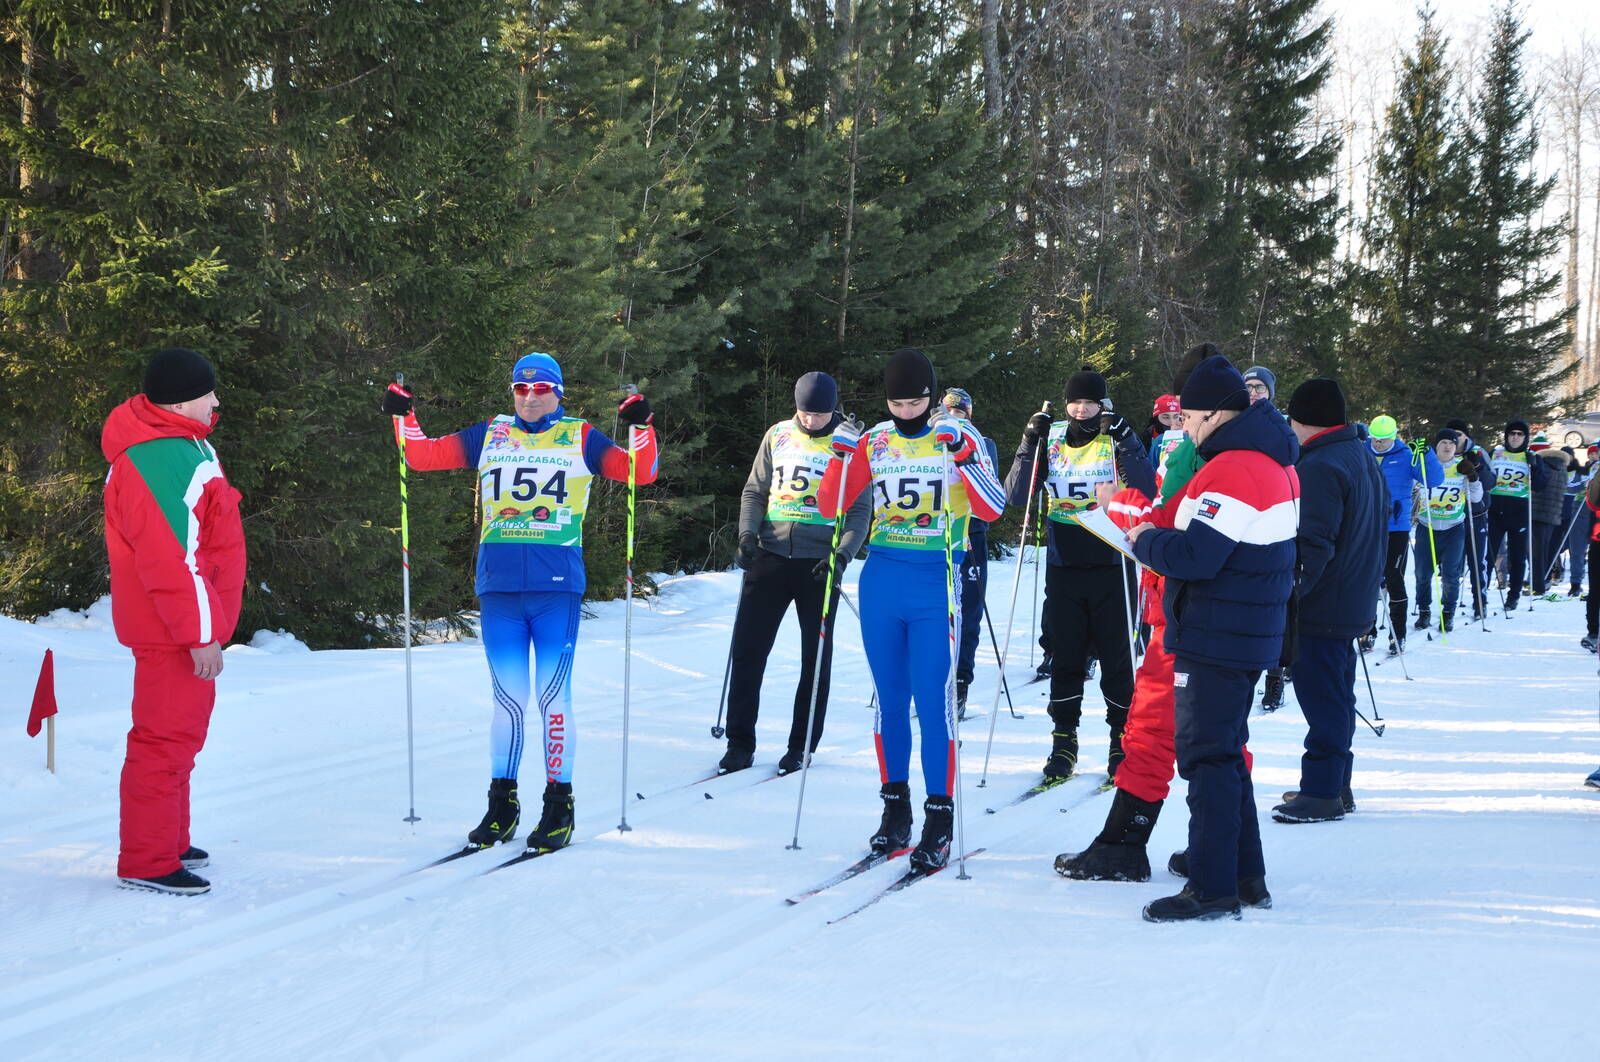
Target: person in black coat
{"points": [[1340, 544]]}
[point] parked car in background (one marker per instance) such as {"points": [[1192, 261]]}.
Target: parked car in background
{"points": [[1575, 431]]}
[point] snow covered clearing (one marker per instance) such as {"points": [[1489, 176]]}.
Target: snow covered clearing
{"points": [[1456, 914]]}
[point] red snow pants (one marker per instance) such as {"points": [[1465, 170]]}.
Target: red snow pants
{"points": [[171, 712], [1147, 739]]}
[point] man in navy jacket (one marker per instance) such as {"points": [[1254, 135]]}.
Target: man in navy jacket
{"points": [[1344, 511], [1229, 561]]}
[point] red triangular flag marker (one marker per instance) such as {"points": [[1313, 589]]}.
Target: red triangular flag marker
{"points": [[44, 695]]}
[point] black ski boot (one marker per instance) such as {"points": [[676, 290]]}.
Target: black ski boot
{"points": [[933, 850], [894, 830], [1063, 755], [1044, 669], [1366, 642], [791, 762], [1424, 621], [1187, 907], [1449, 622], [500, 821], [1114, 755], [194, 858], [1589, 642], [735, 760], [1118, 854], [1272, 696], [1396, 645], [555, 825], [1309, 809]]}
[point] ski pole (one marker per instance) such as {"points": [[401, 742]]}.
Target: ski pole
{"points": [[1531, 589], [952, 718], [822, 641], [1378, 730], [627, 612], [1475, 573], [1038, 544], [717, 729], [405, 585], [995, 643], [1555, 554], [1016, 584]]}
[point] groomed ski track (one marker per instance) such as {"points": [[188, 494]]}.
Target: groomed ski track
{"points": [[1457, 912]]}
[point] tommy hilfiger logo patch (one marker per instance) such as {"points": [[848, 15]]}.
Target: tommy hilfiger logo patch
{"points": [[1209, 508], [1180, 679]]}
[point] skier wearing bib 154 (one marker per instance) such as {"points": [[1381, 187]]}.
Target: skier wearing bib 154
{"points": [[1089, 587], [783, 547], [922, 472], [534, 471]]}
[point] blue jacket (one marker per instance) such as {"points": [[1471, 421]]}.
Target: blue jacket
{"points": [[1401, 469], [1229, 554], [1344, 510]]}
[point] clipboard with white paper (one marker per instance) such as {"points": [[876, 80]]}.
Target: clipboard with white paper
{"points": [[1101, 526]]}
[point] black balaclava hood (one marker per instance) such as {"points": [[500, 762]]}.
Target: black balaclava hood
{"points": [[1516, 425], [909, 374]]}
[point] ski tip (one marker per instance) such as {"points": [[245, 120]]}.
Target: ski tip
{"points": [[638, 796], [708, 796]]}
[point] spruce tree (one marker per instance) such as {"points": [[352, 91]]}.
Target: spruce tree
{"points": [[1512, 358], [1407, 358]]}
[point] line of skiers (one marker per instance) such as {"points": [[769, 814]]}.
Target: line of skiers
{"points": [[1239, 520]]}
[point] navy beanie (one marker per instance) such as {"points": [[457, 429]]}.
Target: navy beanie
{"points": [[178, 374], [815, 392], [1215, 384]]}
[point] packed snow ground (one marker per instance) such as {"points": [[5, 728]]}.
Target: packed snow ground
{"points": [[1457, 914]]}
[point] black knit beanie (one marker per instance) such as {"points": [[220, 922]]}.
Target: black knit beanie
{"points": [[909, 374], [1318, 403], [1086, 385], [816, 392], [178, 374]]}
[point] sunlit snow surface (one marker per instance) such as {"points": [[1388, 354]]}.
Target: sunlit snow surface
{"points": [[1457, 914]]}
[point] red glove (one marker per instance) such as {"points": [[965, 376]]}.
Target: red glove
{"points": [[1129, 507]]}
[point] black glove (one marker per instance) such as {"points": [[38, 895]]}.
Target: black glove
{"points": [[1037, 430], [749, 549], [635, 411], [1468, 466], [396, 401], [1116, 426], [820, 572]]}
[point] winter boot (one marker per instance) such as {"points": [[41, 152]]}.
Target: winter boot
{"points": [[1366, 642], [1252, 891], [1118, 854], [1042, 672], [1187, 907], [791, 762], [1309, 809], [555, 825], [1593, 781], [1063, 754], [1424, 621], [735, 760], [933, 850], [1589, 642], [1511, 603], [1347, 799], [500, 821], [1449, 622], [194, 858], [961, 698], [1272, 696], [894, 831], [180, 882]]}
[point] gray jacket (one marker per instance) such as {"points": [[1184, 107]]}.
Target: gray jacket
{"points": [[789, 538]]}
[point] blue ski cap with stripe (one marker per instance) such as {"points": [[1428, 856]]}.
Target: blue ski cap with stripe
{"points": [[539, 368]]}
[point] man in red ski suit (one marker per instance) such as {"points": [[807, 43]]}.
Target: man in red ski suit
{"points": [[177, 555]]}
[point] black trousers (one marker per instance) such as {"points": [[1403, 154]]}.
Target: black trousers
{"points": [[1088, 610], [1211, 712], [771, 584], [1394, 581], [1592, 605]]}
